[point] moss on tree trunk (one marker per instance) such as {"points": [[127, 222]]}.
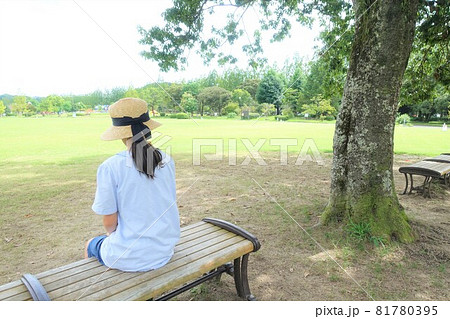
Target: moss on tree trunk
{"points": [[362, 187], [385, 216]]}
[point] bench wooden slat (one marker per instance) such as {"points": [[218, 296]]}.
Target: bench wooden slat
{"points": [[83, 275], [52, 281], [426, 168], [60, 282], [77, 286], [80, 276], [152, 285], [127, 280], [161, 285], [188, 227], [68, 267], [70, 284], [202, 247], [24, 296], [198, 234], [17, 287], [20, 291], [103, 290], [13, 290], [16, 283], [75, 268], [201, 226], [180, 250], [69, 273], [440, 158], [77, 289], [48, 277], [184, 231], [199, 240], [9, 286]]}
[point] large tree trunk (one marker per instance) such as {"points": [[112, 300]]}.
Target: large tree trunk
{"points": [[362, 186]]}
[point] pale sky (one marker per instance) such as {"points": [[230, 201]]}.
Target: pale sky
{"points": [[53, 47]]}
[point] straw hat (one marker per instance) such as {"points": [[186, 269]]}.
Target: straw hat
{"points": [[129, 108]]}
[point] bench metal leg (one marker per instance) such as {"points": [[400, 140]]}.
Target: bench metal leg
{"points": [[427, 182], [237, 277], [246, 287], [241, 278], [424, 188], [406, 187], [412, 184]]}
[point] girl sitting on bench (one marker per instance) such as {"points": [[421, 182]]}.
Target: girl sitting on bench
{"points": [[135, 195]]}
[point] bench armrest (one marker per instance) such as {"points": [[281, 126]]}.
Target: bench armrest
{"points": [[235, 230], [37, 291]]}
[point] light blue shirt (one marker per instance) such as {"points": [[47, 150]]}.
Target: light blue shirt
{"points": [[148, 221]]}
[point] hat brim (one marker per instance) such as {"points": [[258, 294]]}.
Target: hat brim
{"points": [[120, 132]]}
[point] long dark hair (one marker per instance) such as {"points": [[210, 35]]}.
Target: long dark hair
{"points": [[145, 157]]}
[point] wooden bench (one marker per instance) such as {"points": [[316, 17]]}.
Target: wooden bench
{"points": [[430, 170], [440, 158], [205, 251]]}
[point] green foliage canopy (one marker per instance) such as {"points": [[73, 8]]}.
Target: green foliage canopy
{"points": [[319, 107], [427, 74], [188, 103], [2, 108], [185, 22], [270, 90], [251, 86], [19, 104], [52, 104], [214, 97], [242, 97]]}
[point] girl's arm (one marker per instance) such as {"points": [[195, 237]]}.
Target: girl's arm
{"points": [[110, 223]]}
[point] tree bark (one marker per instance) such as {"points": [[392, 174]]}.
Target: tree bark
{"points": [[362, 186]]}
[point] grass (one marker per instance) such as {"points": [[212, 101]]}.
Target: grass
{"points": [[65, 140], [362, 231], [47, 185]]}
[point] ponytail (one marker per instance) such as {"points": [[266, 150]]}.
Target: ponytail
{"points": [[145, 157]]}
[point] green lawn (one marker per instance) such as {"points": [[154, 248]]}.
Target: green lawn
{"points": [[66, 139], [48, 180]]}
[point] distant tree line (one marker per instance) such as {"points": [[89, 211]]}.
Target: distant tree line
{"points": [[311, 90]]}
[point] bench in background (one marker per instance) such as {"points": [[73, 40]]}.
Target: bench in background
{"points": [[205, 251], [431, 168], [440, 158]]}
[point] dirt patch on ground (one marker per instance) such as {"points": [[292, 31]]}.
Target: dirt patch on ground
{"points": [[280, 204]]}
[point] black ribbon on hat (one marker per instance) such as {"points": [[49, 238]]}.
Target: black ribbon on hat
{"points": [[137, 124]]}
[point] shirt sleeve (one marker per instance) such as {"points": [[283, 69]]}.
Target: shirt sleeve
{"points": [[105, 202]]}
